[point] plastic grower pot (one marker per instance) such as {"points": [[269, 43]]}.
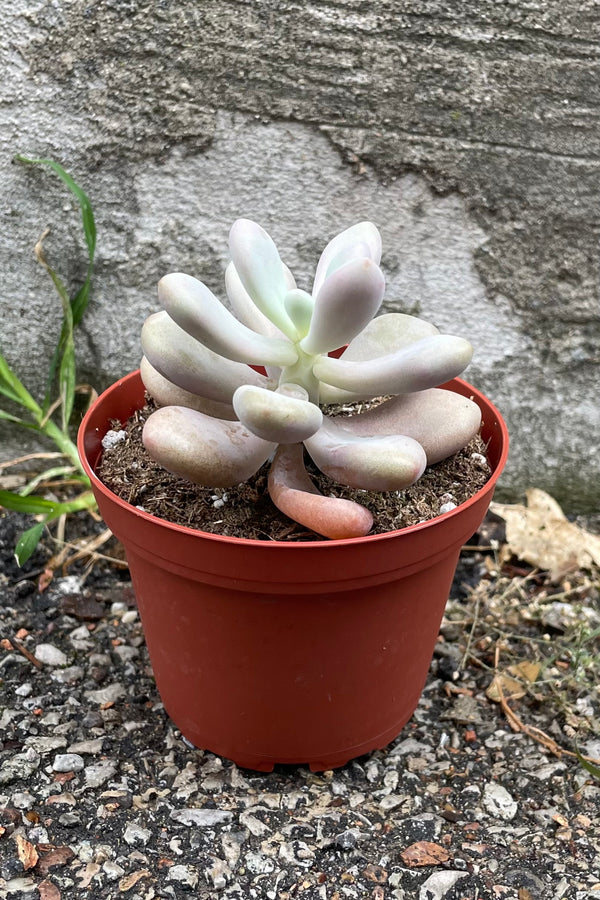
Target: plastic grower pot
{"points": [[267, 652]]}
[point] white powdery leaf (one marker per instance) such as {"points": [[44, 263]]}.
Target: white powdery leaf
{"points": [[417, 367], [244, 307], [165, 393], [347, 301], [207, 451], [202, 315], [388, 463], [275, 416], [349, 244], [386, 334], [259, 267]]}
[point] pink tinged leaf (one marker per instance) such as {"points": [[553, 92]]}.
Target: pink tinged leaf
{"points": [[261, 272], [190, 365], [165, 393], [386, 334], [421, 365], [244, 307], [441, 421], [388, 463], [294, 494], [347, 301], [196, 309], [204, 450], [276, 416], [349, 244]]}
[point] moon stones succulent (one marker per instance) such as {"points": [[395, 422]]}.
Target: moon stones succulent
{"points": [[219, 419]]}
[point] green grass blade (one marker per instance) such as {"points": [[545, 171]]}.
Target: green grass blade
{"points": [[13, 388], [27, 543], [32, 505], [588, 766], [56, 472], [67, 382], [87, 214]]}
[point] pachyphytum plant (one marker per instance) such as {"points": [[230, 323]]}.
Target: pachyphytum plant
{"points": [[219, 420]]}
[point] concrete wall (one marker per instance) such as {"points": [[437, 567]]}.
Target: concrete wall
{"points": [[469, 132]]}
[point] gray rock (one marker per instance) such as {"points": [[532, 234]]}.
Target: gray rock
{"points": [[68, 762], [98, 773], [44, 744], [50, 655], [436, 887], [109, 694], [498, 802], [19, 767], [186, 876], [201, 818], [136, 834]]}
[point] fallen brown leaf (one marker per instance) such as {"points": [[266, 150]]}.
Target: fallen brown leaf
{"points": [[424, 853], [54, 859], [129, 881], [26, 852], [541, 535]]}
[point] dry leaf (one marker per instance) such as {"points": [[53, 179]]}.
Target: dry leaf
{"points": [[48, 891], [129, 881], [27, 853], [90, 872], [424, 853], [541, 535], [528, 671], [503, 686]]}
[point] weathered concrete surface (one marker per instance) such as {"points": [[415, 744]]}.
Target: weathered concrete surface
{"points": [[469, 132]]}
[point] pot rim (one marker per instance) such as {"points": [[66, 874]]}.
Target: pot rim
{"points": [[464, 387]]}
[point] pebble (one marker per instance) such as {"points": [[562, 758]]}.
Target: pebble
{"points": [[112, 438], [437, 886], [498, 802], [135, 834], [186, 876], [109, 694], [98, 773], [202, 818], [50, 655], [68, 762]]}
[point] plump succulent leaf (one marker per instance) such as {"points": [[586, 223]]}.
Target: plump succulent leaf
{"points": [[386, 463], [441, 421], [202, 449], [300, 306], [421, 365], [244, 307], [276, 416], [258, 264], [386, 334], [190, 364], [356, 242], [347, 301], [165, 393], [293, 492], [196, 309]]}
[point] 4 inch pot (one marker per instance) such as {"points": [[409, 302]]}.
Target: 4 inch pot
{"points": [[267, 652]]}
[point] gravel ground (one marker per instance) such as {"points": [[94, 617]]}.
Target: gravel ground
{"points": [[101, 797]]}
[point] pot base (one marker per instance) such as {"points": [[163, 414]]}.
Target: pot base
{"points": [[288, 653]]}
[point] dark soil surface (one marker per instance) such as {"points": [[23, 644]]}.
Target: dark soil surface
{"points": [[246, 510], [481, 797]]}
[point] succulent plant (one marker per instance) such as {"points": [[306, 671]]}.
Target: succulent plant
{"points": [[235, 390]]}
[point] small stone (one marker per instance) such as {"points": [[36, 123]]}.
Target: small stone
{"points": [[70, 675], [439, 884], [68, 762], [20, 767], [22, 800], [112, 870], [99, 772], [347, 840], [24, 690], [50, 655], [135, 834], [202, 818], [112, 438], [109, 694], [186, 876], [447, 507], [498, 802]]}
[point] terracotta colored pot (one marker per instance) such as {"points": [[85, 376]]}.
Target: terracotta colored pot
{"points": [[267, 652]]}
